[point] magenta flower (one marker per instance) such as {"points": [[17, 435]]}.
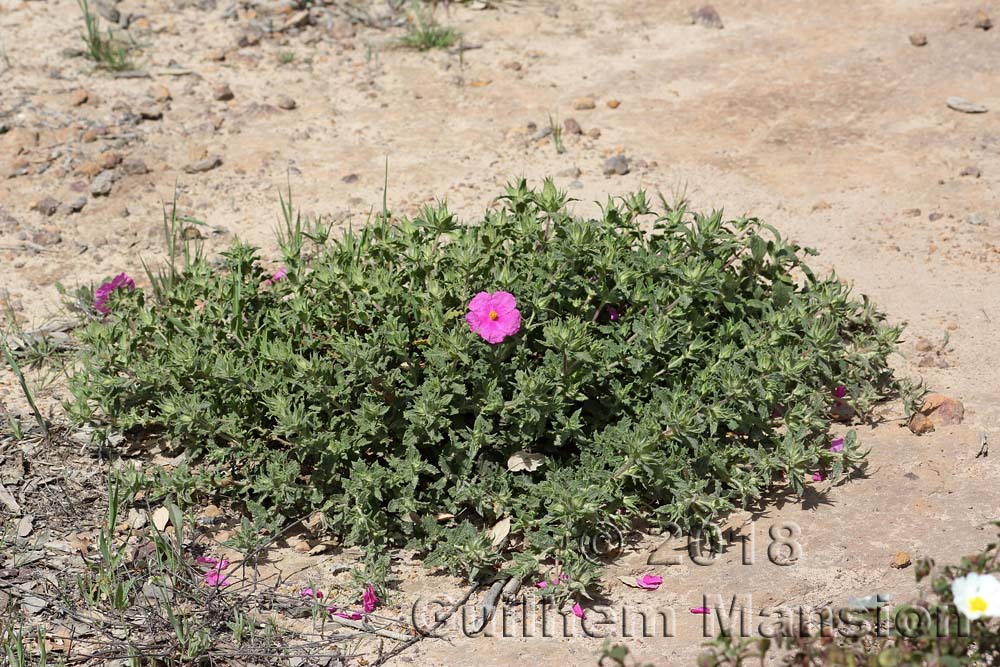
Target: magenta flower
{"points": [[649, 581], [103, 293], [350, 615], [310, 593], [542, 584], [837, 445], [493, 316], [699, 610], [578, 611], [840, 391], [612, 314], [280, 274], [369, 600], [818, 476]]}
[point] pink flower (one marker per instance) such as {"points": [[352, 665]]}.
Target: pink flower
{"points": [[578, 611], [216, 578], [840, 391], [699, 610], [369, 600], [612, 314], [493, 316], [310, 593], [280, 274], [103, 293], [837, 445], [351, 615], [649, 581], [542, 584], [818, 476]]}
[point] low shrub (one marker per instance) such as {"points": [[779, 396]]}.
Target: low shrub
{"points": [[664, 364]]}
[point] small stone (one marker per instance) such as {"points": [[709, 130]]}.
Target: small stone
{"points": [[222, 92], [101, 185], [594, 133], [970, 171], [900, 561], [298, 20], [134, 167], [285, 102], [106, 10], [942, 410], [982, 21], [951, 326], [541, 133], [47, 206], [918, 39], [350, 178], [46, 238], [217, 55], [75, 206], [708, 17], [151, 111], [977, 221], [613, 104], [79, 97], [572, 172], [821, 206], [339, 29], [206, 164], [928, 361], [616, 164], [160, 93], [109, 159], [89, 137], [512, 65], [249, 38], [912, 212], [919, 424], [923, 345], [572, 127], [933, 217], [584, 103], [964, 105]]}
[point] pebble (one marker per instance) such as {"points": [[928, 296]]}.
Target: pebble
{"points": [[572, 127], [74, 206], [900, 561], [350, 178], [151, 111], [47, 206], [983, 21], [541, 133], [101, 185], [933, 217], [923, 345], [512, 65], [109, 159], [46, 238], [160, 93], [964, 105], [616, 164], [977, 220], [206, 164], [708, 17], [79, 97], [134, 167], [572, 172], [912, 212], [299, 20], [937, 410], [584, 103], [971, 171], [218, 55], [613, 104], [918, 39], [594, 133], [285, 102], [249, 38], [222, 92]]}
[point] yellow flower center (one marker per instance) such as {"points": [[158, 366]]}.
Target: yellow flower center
{"points": [[977, 604], [494, 315]]}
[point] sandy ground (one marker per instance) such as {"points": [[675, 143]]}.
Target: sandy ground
{"points": [[824, 120]]}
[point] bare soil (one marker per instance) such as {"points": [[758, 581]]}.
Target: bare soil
{"points": [[823, 119]]}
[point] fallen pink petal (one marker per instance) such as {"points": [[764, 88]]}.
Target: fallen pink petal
{"points": [[578, 611], [699, 610], [493, 316], [649, 581], [310, 593]]}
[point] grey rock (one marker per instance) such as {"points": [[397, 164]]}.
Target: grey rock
{"points": [[106, 10], [541, 133], [74, 206], [287, 103], [134, 167], [209, 163], [47, 206], [977, 220], [101, 185], [151, 111], [971, 171], [616, 164], [707, 16], [964, 105], [223, 92], [571, 126], [350, 178]]}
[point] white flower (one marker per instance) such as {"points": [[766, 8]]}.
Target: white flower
{"points": [[977, 595]]}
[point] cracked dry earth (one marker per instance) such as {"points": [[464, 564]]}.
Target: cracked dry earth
{"points": [[826, 121]]}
